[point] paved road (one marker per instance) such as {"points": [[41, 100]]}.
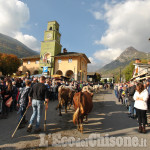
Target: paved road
{"points": [[108, 119]]}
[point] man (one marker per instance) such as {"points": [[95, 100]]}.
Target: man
{"points": [[34, 81], [37, 95], [131, 91]]}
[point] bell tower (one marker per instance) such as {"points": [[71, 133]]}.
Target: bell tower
{"points": [[51, 46]]}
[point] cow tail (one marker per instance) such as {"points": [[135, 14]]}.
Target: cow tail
{"points": [[75, 115], [78, 110]]}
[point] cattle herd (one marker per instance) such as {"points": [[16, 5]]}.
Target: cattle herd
{"points": [[82, 102]]}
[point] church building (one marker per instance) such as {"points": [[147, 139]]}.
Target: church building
{"points": [[69, 64]]}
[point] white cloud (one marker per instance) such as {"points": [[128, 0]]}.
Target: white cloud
{"points": [[97, 15], [128, 25], [107, 55], [14, 16], [92, 61], [28, 40], [93, 65]]}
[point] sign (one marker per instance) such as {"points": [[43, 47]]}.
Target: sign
{"points": [[45, 69]]}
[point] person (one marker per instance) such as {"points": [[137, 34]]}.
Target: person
{"points": [[141, 97], [148, 89], [6, 96], [116, 90], [131, 91], [37, 95], [34, 81], [23, 100], [14, 95], [148, 102], [120, 90]]}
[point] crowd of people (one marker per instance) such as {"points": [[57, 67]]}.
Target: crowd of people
{"points": [[136, 97], [15, 94]]}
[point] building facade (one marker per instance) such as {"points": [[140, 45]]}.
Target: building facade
{"points": [[70, 64], [141, 70], [30, 64]]}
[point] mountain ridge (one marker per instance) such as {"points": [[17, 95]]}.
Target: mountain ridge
{"points": [[10, 45], [128, 55]]}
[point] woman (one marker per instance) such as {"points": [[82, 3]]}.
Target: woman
{"points": [[141, 97], [7, 94]]}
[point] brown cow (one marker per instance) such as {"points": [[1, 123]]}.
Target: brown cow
{"points": [[65, 96], [83, 105]]}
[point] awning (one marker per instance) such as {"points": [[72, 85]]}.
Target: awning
{"points": [[142, 78], [56, 76], [65, 77], [138, 76]]}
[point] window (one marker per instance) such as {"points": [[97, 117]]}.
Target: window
{"points": [[28, 62], [50, 28], [37, 62], [69, 60], [59, 61]]}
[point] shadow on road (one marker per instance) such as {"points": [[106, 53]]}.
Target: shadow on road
{"points": [[106, 116]]}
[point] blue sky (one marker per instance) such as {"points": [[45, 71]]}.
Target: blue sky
{"points": [[101, 29], [78, 27]]}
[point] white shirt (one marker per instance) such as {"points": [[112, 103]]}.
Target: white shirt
{"points": [[142, 103]]}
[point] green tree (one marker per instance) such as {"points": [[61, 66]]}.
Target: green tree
{"points": [[128, 71], [9, 63], [98, 77]]}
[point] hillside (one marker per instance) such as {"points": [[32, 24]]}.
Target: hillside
{"points": [[124, 59], [12, 46]]}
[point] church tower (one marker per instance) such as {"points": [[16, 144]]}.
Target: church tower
{"points": [[51, 46]]}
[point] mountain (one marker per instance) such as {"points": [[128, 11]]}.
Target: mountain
{"points": [[12, 46], [124, 59]]}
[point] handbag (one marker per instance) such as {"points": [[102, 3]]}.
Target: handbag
{"points": [[8, 102]]}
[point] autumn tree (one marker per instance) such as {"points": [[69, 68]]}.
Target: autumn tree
{"points": [[9, 63]]}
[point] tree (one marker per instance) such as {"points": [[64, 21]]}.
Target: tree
{"points": [[97, 77], [128, 71], [9, 63]]}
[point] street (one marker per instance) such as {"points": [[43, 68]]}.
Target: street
{"points": [[108, 118]]}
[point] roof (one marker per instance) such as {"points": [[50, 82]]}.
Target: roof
{"points": [[92, 73], [31, 57], [107, 76], [72, 54], [142, 64]]}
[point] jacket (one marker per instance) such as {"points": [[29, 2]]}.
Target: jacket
{"points": [[142, 103], [131, 91]]}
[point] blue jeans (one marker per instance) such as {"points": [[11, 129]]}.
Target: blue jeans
{"points": [[116, 93], [37, 106], [132, 109], [22, 110]]}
